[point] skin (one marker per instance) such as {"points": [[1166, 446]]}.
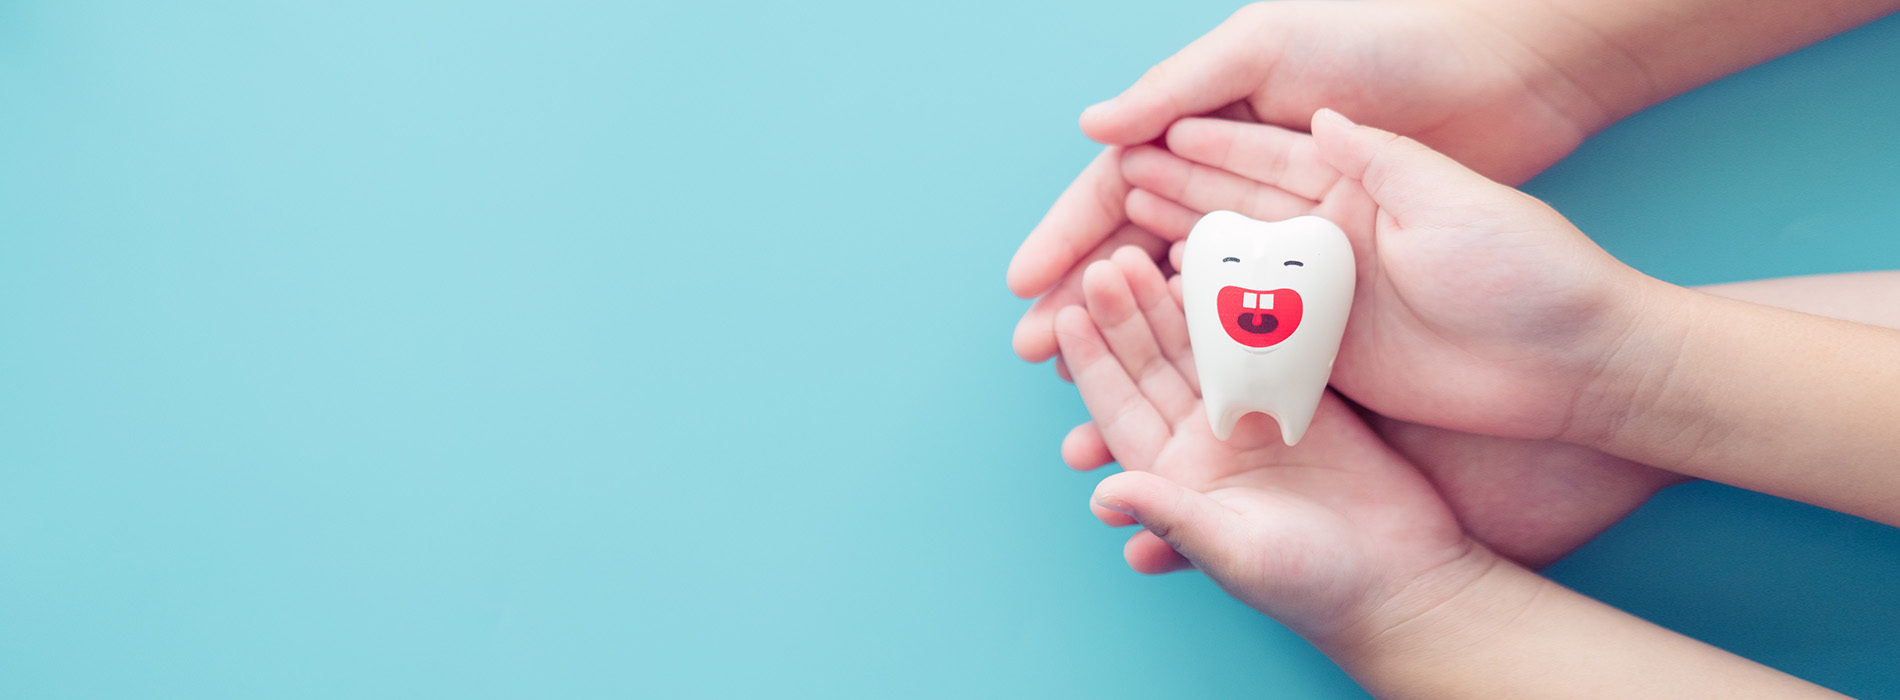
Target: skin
{"points": [[1505, 87], [1515, 496], [1531, 511], [1535, 501], [1341, 538], [1317, 536], [1766, 399], [1532, 501], [1426, 69], [1417, 613], [1542, 335]]}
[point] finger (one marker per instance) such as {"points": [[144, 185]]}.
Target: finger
{"points": [[1165, 217], [1130, 426], [1147, 554], [1035, 338], [1084, 215], [1201, 529], [1174, 257], [1220, 68], [1404, 177], [1163, 311], [1084, 450], [1112, 306], [1109, 517], [1202, 188], [1062, 370], [1270, 155]]}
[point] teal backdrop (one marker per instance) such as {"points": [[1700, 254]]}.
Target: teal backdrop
{"points": [[604, 350]]}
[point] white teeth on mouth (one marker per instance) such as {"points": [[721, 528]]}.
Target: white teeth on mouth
{"points": [[1256, 301]]}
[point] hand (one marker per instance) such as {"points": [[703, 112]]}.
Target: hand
{"points": [[1532, 501], [1340, 539], [1334, 535], [1478, 308], [1432, 71]]}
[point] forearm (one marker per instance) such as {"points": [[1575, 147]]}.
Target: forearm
{"points": [[1614, 58], [1514, 634], [1862, 297], [1766, 399]]}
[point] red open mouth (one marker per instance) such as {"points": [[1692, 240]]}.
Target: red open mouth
{"points": [[1258, 319]]}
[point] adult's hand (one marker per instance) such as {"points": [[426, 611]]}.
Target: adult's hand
{"points": [[1437, 72]]}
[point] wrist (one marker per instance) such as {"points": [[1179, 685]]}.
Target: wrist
{"points": [[1734, 392], [1637, 380], [1416, 608], [1477, 600]]}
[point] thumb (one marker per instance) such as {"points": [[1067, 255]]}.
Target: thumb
{"points": [[1218, 69], [1198, 527], [1405, 178]]}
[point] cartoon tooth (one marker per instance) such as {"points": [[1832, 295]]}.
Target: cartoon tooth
{"points": [[1266, 306]]}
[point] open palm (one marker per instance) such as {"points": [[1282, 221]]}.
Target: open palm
{"points": [[1309, 534]]}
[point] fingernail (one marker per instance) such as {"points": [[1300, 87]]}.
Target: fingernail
{"points": [[1329, 114], [1115, 505]]}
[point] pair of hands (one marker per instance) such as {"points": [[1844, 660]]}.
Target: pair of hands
{"points": [[1479, 311]]}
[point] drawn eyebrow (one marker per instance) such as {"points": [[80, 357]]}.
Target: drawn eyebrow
{"points": [[1295, 262], [1230, 259]]}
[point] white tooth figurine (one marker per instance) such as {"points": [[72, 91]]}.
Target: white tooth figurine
{"points": [[1266, 306]]}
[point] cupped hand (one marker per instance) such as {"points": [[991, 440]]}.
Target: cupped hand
{"points": [[1531, 501], [1478, 308], [1337, 533], [1429, 70], [1437, 72], [1528, 499]]}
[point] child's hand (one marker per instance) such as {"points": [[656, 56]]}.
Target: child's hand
{"points": [[1435, 71], [1530, 500], [1338, 536], [1340, 539], [1478, 308]]}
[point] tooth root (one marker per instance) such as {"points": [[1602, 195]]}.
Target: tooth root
{"points": [[1291, 420], [1247, 300], [1293, 426], [1226, 418]]}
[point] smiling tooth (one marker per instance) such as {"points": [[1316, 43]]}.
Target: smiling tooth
{"points": [[1283, 379]]}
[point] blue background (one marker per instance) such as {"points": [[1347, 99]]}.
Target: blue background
{"points": [[565, 349]]}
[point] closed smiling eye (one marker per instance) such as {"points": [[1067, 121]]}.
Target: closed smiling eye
{"points": [[1296, 263], [1230, 259]]}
